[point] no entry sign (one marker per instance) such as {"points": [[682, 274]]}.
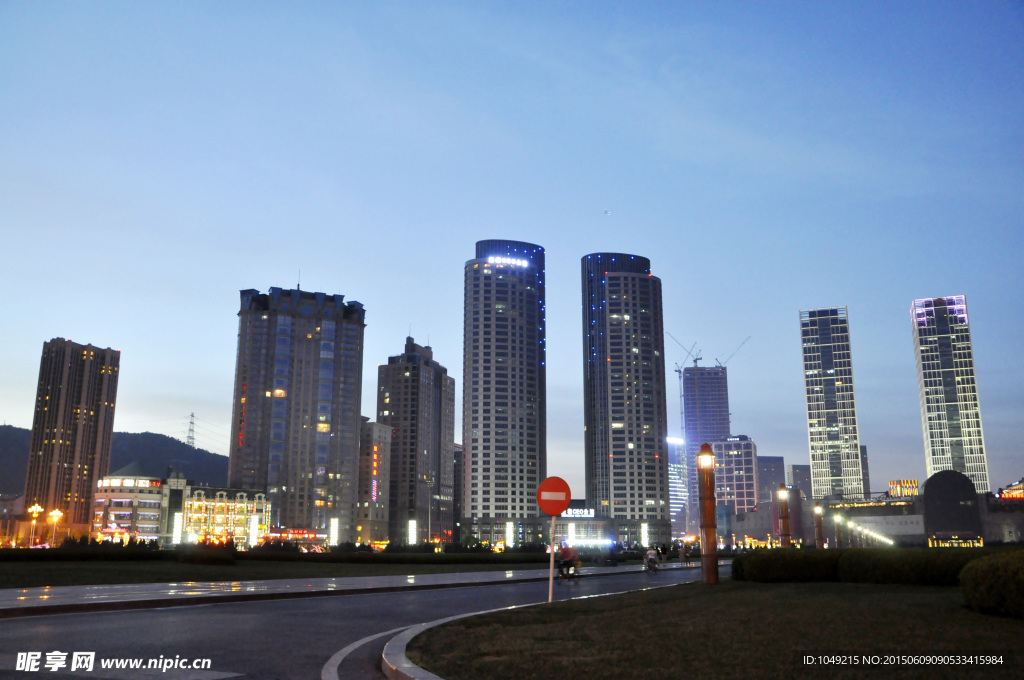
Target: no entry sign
{"points": [[553, 496]]}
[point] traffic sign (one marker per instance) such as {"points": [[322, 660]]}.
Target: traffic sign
{"points": [[553, 496]]}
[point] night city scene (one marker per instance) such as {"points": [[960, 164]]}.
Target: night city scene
{"points": [[535, 340]]}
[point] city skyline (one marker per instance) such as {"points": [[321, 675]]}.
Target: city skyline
{"points": [[154, 150]]}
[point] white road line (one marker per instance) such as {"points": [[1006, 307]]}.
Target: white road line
{"points": [[330, 669]]}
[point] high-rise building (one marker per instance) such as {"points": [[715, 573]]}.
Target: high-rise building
{"points": [[836, 468], [678, 485], [705, 420], [416, 398], [625, 418], [504, 426], [372, 504], [864, 471], [948, 387], [799, 477], [295, 419], [771, 472], [72, 428], [736, 473]]}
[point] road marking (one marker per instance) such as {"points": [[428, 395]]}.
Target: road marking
{"points": [[330, 669]]}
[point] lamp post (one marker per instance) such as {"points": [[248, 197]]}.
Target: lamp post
{"points": [[839, 530], [34, 511], [708, 535], [853, 534], [784, 516], [819, 532], [55, 516]]}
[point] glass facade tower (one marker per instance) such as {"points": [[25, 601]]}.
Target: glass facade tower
{"points": [[625, 414], [295, 423], [705, 420], [948, 388], [504, 426], [836, 466]]}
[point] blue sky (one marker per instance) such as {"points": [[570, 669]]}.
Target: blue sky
{"points": [[156, 158]]}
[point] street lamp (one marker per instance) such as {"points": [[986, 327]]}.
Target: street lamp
{"points": [[784, 516], [819, 532], [839, 530], [708, 535], [34, 511], [54, 516], [853, 534]]}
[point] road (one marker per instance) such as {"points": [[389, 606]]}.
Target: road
{"points": [[275, 639]]}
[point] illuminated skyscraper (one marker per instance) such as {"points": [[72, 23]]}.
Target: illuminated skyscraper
{"points": [[836, 466], [295, 421], [947, 385], [736, 473], [678, 485], [705, 420], [504, 426], [624, 389], [416, 398], [72, 428]]}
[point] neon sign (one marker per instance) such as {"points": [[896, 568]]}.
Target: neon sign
{"points": [[585, 513]]}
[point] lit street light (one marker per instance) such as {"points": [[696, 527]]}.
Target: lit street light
{"points": [[34, 511], [839, 530], [819, 532], [54, 516], [708, 536], [784, 516]]}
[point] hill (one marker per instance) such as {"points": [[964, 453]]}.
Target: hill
{"points": [[153, 452]]}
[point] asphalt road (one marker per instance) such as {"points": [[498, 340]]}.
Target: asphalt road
{"points": [[273, 639]]}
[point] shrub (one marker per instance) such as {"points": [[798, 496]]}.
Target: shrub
{"points": [[786, 564], [912, 566], [205, 554], [995, 584]]}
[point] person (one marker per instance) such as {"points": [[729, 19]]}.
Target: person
{"points": [[686, 555], [652, 558], [569, 558]]}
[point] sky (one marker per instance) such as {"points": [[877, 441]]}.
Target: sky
{"points": [[157, 158]]}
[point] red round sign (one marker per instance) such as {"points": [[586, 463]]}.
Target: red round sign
{"points": [[553, 496]]}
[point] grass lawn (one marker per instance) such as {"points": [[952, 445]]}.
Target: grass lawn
{"points": [[91, 572], [732, 630]]}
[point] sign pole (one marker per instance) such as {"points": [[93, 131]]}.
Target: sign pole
{"points": [[551, 572]]}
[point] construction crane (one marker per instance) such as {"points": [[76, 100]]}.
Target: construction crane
{"points": [[723, 363]]}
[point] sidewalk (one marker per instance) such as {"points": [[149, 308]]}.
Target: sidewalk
{"points": [[16, 602]]}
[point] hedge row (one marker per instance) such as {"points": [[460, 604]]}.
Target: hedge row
{"points": [[913, 566], [995, 584]]}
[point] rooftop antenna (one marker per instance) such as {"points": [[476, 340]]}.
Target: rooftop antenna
{"points": [[298, 285]]}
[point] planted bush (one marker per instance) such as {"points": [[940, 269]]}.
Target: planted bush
{"points": [[995, 584], [786, 564], [912, 566]]}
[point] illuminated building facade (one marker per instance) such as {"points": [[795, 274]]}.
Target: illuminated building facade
{"points": [[948, 389], [705, 420], [374, 484], [295, 420], [416, 398], [128, 506], [836, 466], [225, 515], [72, 428], [625, 417], [504, 426], [678, 485], [736, 473]]}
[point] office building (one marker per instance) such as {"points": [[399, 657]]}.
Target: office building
{"points": [[295, 418], [799, 477], [948, 388], [678, 485], [736, 473], [836, 466], [373, 502], [865, 472], [771, 472], [625, 417], [416, 399], [705, 420], [504, 426], [72, 429]]}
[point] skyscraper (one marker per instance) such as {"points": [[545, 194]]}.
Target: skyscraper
{"points": [[504, 426], [678, 485], [372, 506], [295, 419], [625, 419], [947, 385], [770, 473], [736, 482], [836, 467], [72, 428], [705, 420], [416, 398]]}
